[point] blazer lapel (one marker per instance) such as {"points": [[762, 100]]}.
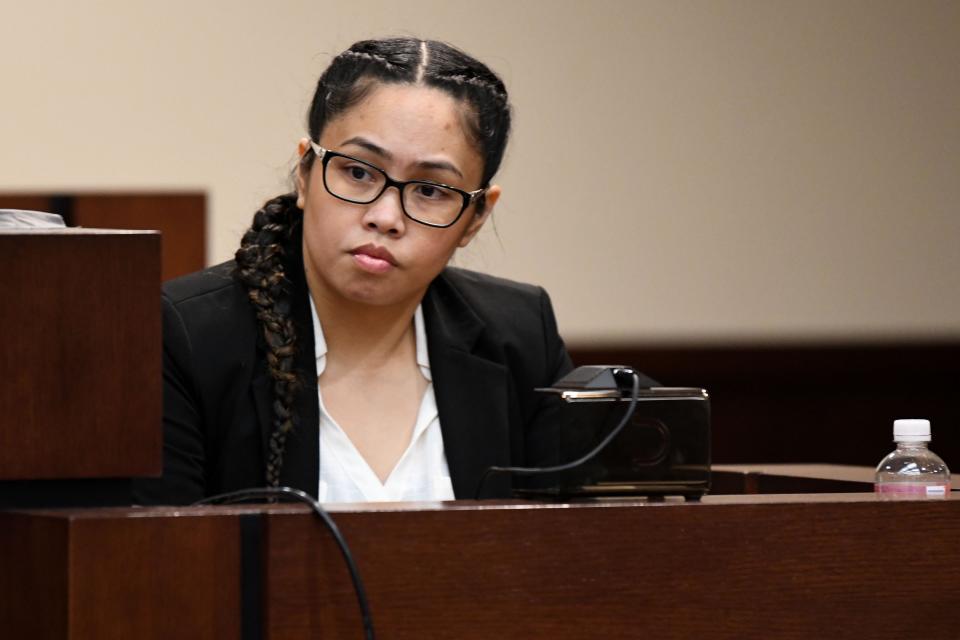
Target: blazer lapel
{"points": [[472, 394], [301, 464]]}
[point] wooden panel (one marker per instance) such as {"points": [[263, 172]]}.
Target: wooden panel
{"points": [[179, 217], [28, 202], [157, 578], [809, 403], [33, 577], [731, 567], [794, 478], [80, 361], [119, 574]]}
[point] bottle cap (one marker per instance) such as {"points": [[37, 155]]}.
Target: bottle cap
{"points": [[911, 430]]}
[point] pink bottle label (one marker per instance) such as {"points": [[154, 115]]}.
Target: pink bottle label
{"points": [[911, 490]]}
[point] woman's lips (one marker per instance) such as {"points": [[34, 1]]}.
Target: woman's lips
{"points": [[374, 259]]}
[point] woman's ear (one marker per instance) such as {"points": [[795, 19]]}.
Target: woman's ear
{"points": [[302, 148], [476, 222]]}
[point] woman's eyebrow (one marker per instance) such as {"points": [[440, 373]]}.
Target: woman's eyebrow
{"points": [[442, 165], [436, 165], [369, 146]]}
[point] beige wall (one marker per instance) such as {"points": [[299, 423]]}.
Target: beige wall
{"points": [[680, 170]]}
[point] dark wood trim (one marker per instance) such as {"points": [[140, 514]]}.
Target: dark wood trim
{"points": [[829, 403], [179, 216], [80, 359], [763, 566]]}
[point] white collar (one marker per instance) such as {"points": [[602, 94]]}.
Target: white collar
{"points": [[420, 335]]}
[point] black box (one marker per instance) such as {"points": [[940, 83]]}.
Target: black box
{"points": [[663, 450]]}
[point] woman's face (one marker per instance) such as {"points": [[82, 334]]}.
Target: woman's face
{"points": [[372, 253]]}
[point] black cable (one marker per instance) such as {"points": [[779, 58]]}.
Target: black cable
{"points": [[530, 471], [289, 492]]}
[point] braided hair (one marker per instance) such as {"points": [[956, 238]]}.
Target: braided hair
{"points": [[260, 267], [349, 78]]}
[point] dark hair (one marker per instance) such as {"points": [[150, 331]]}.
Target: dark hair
{"points": [[347, 81]]}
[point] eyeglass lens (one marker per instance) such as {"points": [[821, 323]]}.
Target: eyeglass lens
{"points": [[362, 183]]}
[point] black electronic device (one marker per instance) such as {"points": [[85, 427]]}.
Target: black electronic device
{"points": [[663, 449]]}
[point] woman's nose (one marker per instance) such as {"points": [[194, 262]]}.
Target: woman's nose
{"points": [[385, 214]]}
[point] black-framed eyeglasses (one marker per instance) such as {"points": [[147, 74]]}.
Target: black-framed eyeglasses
{"points": [[430, 203]]}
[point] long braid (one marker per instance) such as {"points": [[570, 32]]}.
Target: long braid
{"points": [[260, 267]]}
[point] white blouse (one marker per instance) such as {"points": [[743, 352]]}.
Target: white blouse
{"points": [[420, 474]]}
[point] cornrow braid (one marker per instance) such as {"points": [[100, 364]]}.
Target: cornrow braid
{"points": [[371, 57], [496, 91], [352, 74], [484, 92], [260, 268]]}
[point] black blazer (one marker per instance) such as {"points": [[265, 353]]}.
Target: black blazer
{"points": [[490, 341]]}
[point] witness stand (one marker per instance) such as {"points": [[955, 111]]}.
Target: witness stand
{"points": [[80, 411], [760, 566]]}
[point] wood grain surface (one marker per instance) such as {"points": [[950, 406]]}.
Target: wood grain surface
{"points": [[732, 567], [181, 219], [768, 566], [104, 574], [827, 402], [80, 361], [179, 216]]}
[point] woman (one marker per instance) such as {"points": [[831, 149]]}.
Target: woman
{"points": [[339, 354]]}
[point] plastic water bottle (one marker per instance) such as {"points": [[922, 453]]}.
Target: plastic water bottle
{"points": [[912, 471]]}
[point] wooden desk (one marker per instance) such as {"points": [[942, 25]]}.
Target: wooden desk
{"points": [[783, 566], [794, 478]]}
